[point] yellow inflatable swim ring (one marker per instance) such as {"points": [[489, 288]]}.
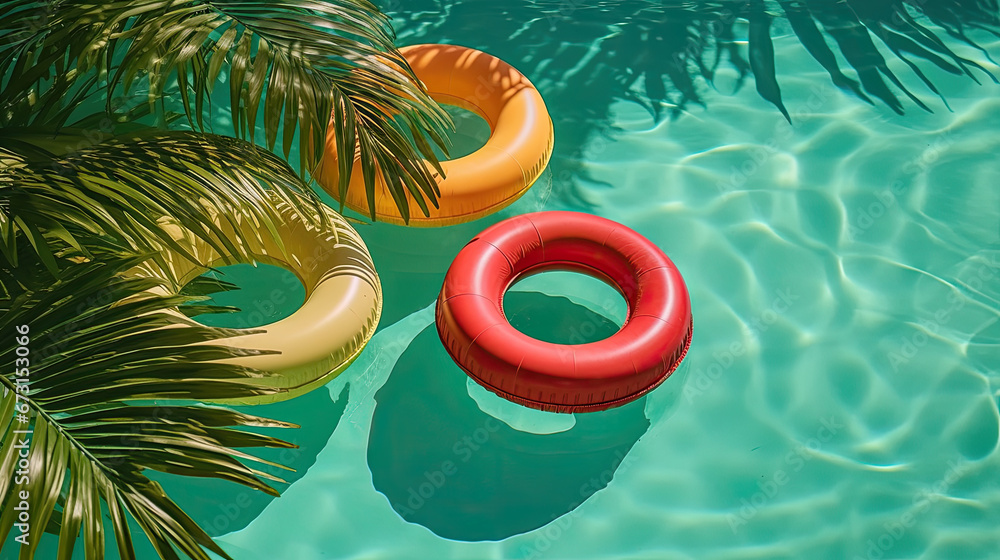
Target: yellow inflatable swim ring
{"points": [[486, 180], [341, 310]]}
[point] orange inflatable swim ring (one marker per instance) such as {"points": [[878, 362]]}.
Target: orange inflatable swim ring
{"points": [[486, 180]]}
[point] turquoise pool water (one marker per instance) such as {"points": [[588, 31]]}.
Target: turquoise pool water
{"points": [[839, 399]]}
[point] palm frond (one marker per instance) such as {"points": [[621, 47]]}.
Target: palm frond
{"points": [[125, 191], [296, 63], [201, 289], [88, 444]]}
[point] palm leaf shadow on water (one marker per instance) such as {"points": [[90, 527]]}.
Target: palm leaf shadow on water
{"points": [[446, 465], [586, 56], [663, 55]]}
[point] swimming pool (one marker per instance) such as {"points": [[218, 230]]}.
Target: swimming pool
{"points": [[839, 399]]}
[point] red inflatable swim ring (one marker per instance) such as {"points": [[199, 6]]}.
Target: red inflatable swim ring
{"points": [[564, 378]]}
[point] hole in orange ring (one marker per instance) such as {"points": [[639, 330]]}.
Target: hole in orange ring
{"points": [[563, 307], [266, 294]]}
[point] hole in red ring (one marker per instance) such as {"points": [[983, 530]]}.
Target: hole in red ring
{"points": [[561, 306]]}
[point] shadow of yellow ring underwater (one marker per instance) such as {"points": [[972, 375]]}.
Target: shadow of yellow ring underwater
{"points": [[485, 181], [343, 300]]}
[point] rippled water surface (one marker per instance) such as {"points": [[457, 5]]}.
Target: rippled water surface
{"points": [[840, 396]]}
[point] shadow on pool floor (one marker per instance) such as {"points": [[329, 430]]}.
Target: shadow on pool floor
{"points": [[446, 465]]}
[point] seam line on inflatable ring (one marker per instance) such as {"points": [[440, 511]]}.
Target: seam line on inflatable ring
{"points": [[546, 154], [610, 233], [657, 317], [516, 372], [524, 175], [541, 240], [499, 250], [453, 296], [473, 341], [660, 267]]}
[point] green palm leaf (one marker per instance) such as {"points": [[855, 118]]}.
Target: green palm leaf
{"points": [[89, 445], [296, 62], [121, 192]]}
